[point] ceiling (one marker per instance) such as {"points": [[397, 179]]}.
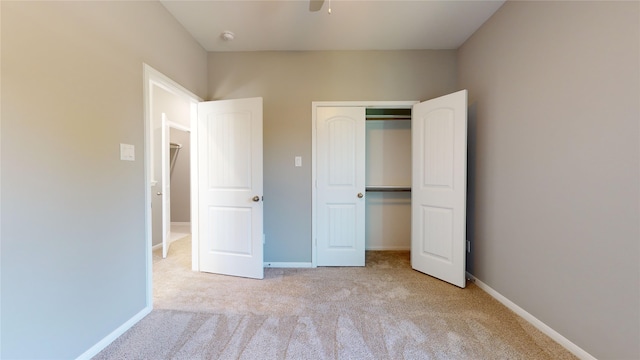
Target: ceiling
{"points": [[262, 25]]}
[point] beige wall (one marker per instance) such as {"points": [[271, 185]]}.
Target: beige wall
{"points": [[73, 229], [289, 82], [555, 87]]}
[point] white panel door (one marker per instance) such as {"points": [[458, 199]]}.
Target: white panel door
{"points": [[166, 186], [230, 187], [438, 192], [340, 174]]}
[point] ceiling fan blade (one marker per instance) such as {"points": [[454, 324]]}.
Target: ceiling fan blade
{"points": [[315, 5]]}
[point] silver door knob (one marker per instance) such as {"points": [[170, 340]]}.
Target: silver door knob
{"points": [[256, 198], [360, 196], [159, 193]]}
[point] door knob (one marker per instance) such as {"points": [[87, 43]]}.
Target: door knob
{"points": [[159, 193], [360, 196], [256, 198]]}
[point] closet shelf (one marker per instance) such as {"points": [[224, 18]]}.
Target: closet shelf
{"points": [[388, 114], [380, 188], [387, 117]]}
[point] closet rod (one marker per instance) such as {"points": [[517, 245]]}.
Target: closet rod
{"points": [[388, 117]]}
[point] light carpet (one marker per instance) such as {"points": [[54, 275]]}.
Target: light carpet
{"points": [[385, 310]]}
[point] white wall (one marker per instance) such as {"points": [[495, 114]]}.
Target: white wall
{"points": [[73, 259], [556, 93]]}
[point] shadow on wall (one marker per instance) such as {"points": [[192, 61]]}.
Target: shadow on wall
{"points": [[471, 174]]}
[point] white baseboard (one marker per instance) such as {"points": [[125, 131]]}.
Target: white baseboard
{"points": [[544, 328], [95, 349], [156, 246], [287, 265]]}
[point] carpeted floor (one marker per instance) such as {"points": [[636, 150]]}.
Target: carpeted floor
{"points": [[385, 310]]}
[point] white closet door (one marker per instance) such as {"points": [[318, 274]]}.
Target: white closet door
{"points": [[230, 187], [439, 132], [340, 168]]}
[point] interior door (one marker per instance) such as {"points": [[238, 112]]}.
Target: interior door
{"points": [[340, 174], [230, 187], [166, 186], [438, 193]]}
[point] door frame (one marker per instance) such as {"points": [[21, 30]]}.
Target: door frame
{"points": [[314, 106], [151, 78]]}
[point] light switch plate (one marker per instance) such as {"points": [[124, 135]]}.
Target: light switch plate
{"points": [[127, 152], [298, 161]]}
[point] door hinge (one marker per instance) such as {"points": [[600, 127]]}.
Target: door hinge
{"points": [[468, 246]]}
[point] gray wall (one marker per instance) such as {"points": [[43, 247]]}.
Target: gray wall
{"points": [[289, 82], [556, 164], [73, 254], [180, 179], [556, 87]]}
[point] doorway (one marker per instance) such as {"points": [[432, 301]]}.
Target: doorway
{"points": [[170, 111], [179, 184], [438, 184], [169, 151], [348, 185]]}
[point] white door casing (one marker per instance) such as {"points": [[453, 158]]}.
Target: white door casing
{"points": [[438, 198], [230, 187], [340, 186], [166, 185]]}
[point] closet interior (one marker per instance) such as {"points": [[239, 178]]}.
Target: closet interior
{"points": [[388, 179], [174, 149]]}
